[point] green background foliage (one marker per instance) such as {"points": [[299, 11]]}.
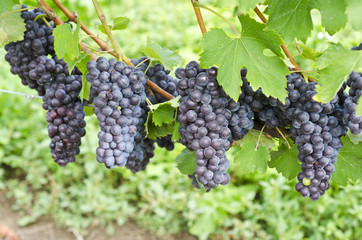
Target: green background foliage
{"points": [[85, 193]]}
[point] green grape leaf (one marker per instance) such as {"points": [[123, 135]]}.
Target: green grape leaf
{"points": [[75, 62], [355, 139], [232, 54], [186, 162], [154, 131], [16, 2], [285, 160], [6, 6], [359, 107], [176, 134], [12, 27], [348, 165], [308, 53], [66, 42], [334, 65], [163, 114], [292, 19], [242, 5], [88, 110], [354, 9], [251, 159], [82, 66], [119, 23], [253, 136], [333, 14], [166, 57]]}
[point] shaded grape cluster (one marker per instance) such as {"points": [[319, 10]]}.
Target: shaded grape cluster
{"points": [[119, 99], [350, 118], [38, 41], [65, 117], [205, 116]]}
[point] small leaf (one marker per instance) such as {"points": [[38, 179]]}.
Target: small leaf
{"points": [[348, 165], [251, 159], [186, 162], [333, 67], [66, 42], [73, 62], [163, 114], [120, 23], [253, 136], [355, 139], [309, 53], [168, 58], [153, 131], [232, 54], [176, 134], [88, 110], [285, 160], [12, 27], [82, 66]]}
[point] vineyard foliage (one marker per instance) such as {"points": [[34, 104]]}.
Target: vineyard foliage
{"points": [[251, 44]]}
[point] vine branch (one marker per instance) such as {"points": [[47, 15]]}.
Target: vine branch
{"points": [[73, 18], [217, 14], [50, 12], [198, 14], [283, 46]]}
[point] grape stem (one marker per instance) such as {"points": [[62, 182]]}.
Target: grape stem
{"points": [[197, 4], [105, 47], [261, 132], [198, 14], [28, 96], [286, 141], [283, 46]]}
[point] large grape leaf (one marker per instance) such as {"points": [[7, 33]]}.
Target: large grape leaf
{"points": [[285, 160], [292, 19], [5, 6], [349, 163], [66, 42], [333, 66], [246, 50], [167, 58], [354, 10], [186, 162], [12, 27], [242, 5], [333, 14], [251, 159]]}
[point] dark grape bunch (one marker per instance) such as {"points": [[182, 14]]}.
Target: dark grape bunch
{"points": [[119, 94], [350, 118], [160, 76], [65, 116], [38, 41], [206, 117], [317, 134]]}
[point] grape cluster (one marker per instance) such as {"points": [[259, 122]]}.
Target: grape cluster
{"points": [[208, 121], [38, 41], [317, 134], [166, 142], [350, 118], [119, 96], [65, 116]]}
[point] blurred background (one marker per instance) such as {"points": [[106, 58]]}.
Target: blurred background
{"points": [[87, 201]]}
